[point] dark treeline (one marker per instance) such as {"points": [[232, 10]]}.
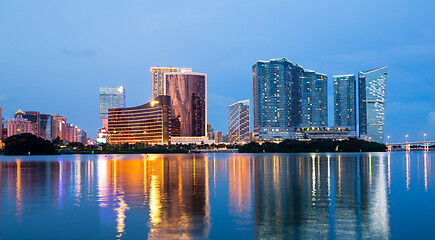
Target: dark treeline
{"points": [[320, 145], [28, 144]]}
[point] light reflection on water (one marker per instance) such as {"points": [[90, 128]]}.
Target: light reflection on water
{"points": [[212, 196]]}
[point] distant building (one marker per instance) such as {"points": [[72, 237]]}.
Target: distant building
{"points": [[82, 137], [19, 125], [345, 101], [218, 138], [58, 127], [1, 125], [110, 97], [158, 79], [286, 96], [238, 122], [372, 99], [187, 91], [33, 117], [71, 133], [148, 123]]}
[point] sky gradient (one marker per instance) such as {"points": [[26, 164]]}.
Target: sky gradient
{"points": [[54, 55]]}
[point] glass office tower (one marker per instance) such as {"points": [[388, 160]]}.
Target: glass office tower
{"points": [[238, 122], [188, 103], [345, 102], [372, 98], [111, 97]]}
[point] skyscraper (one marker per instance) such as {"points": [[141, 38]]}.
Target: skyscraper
{"points": [[272, 90], [286, 97], [110, 97], [310, 98], [188, 92], [372, 97], [58, 127], [345, 101], [238, 122], [158, 79]]}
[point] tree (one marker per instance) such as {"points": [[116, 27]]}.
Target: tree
{"points": [[28, 144]]}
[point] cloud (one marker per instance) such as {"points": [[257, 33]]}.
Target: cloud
{"points": [[220, 100], [386, 54], [87, 53]]}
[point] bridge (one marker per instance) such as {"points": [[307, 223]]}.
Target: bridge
{"points": [[424, 144]]}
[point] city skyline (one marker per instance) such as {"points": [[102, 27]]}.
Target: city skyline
{"points": [[79, 55]]}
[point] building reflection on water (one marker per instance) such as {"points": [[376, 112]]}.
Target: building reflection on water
{"points": [[300, 196]]}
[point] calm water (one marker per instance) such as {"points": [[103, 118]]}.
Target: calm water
{"points": [[216, 196]]}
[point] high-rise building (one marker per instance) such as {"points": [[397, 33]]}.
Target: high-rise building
{"points": [[310, 98], [238, 122], [345, 101], [71, 133], [19, 125], [44, 126], [148, 123], [286, 97], [188, 92], [272, 91], [58, 127], [372, 98], [110, 97], [82, 137], [158, 79], [1, 125]]}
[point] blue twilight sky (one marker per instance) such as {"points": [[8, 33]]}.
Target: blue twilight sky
{"points": [[54, 55]]}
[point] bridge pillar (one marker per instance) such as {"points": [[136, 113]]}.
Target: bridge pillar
{"points": [[426, 147], [408, 147], [389, 147]]}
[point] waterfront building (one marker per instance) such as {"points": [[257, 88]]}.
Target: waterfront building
{"points": [[44, 126], [148, 123], [272, 92], [336, 133], [345, 101], [71, 133], [218, 136], [19, 125], [286, 96], [58, 126], [82, 137], [110, 97], [33, 117], [310, 98], [238, 122], [188, 96], [372, 98], [1, 126], [158, 79]]}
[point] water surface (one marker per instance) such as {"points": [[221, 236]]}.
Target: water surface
{"points": [[216, 196]]}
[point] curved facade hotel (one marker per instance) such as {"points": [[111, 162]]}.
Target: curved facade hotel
{"points": [[188, 103], [148, 123]]}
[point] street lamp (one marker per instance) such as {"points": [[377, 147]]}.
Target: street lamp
{"points": [[388, 139], [424, 137], [406, 137]]}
